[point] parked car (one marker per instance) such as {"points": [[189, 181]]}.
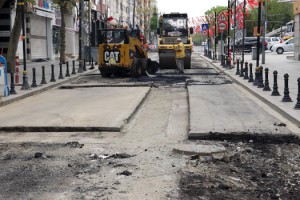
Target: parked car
{"points": [[249, 42], [283, 47], [273, 40]]}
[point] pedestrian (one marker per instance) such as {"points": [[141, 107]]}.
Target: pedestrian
{"points": [[145, 45], [179, 55]]}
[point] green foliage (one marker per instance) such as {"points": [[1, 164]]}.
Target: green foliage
{"points": [[154, 18], [69, 4], [215, 9], [198, 38], [278, 14]]}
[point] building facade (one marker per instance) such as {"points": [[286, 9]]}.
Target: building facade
{"points": [[43, 25]]}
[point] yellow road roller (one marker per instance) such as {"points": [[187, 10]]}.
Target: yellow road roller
{"points": [[171, 27]]}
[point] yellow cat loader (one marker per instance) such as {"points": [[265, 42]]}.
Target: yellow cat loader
{"points": [[171, 27], [121, 52]]}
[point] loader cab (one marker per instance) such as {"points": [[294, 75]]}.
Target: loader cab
{"points": [[113, 36]]}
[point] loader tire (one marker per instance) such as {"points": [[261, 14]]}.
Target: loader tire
{"points": [[105, 74], [136, 68], [145, 66]]}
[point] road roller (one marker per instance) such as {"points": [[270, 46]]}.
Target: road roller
{"points": [[171, 27]]}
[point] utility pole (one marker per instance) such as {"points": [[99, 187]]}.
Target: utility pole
{"points": [[258, 34], [234, 25], [263, 58], [89, 35], [81, 45], [133, 15], [244, 21], [228, 35], [25, 85], [215, 54]]}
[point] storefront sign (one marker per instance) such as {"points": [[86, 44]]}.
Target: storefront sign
{"points": [[44, 13]]}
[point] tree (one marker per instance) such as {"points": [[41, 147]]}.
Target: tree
{"points": [[154, 19], [65, 7], [215, 9], [15, 34], [277, 14]]}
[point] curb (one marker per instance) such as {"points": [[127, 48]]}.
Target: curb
{"points": [[43, 89], [267, 102]]}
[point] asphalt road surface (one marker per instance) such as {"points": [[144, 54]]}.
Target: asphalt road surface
{"points": [[149, 155]]}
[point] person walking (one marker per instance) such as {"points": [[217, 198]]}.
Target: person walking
{"points": [[179, 56]]}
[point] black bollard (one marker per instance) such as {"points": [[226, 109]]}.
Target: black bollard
{"points": [[92, 64], [297, 106], [256, 76], [242, 69], [67, 71], [237, 67], [260, 78], [12, 84], [246, 71], [84, 65], [250, 73], [222, 60], [73, 68], [43, 76], [60, 72], [33, 78], [52, 74], [275, 86], [286, 97], [267, 87]]}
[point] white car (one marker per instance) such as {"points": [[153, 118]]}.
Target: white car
{"points": [[283, 47], [272, 41]]}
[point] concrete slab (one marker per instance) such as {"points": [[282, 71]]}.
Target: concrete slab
{"points": [[198, 149], [78, 109], [210, 106]]}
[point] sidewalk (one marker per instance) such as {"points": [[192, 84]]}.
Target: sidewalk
{"points": [[21, 94], [282, 65]]}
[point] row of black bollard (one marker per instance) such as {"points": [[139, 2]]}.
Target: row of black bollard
{"points": [[43, 81], [34, 81], [263, 81]]}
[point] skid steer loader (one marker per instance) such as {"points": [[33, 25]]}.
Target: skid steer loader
{"points": [[121, 52]]}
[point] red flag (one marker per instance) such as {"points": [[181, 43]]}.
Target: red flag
{"points": [[252, 3], [211, 33]]}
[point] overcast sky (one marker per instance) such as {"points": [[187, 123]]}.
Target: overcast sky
{"points": [[194, 8]]}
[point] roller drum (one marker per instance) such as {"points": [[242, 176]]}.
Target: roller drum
{"points": [[167, 59]]}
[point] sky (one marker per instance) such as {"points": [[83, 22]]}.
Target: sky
{"points": [[194, 8]]}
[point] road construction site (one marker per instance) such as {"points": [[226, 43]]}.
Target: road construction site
{"points": [[166, 136]]}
